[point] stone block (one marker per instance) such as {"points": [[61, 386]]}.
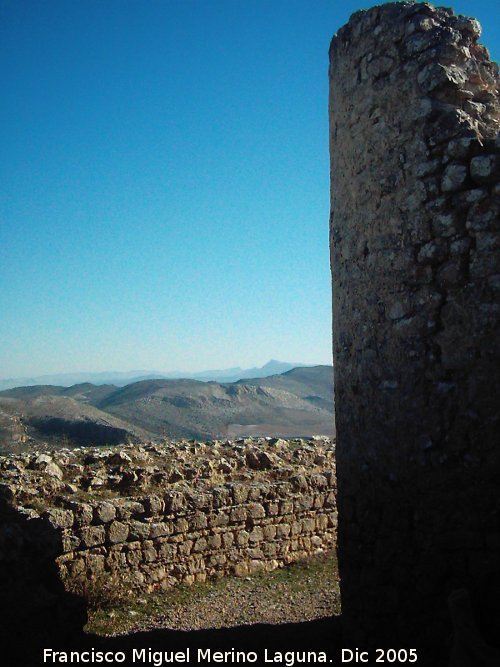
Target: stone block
{"points": [[181, 525], [82, 513], [92, 536], [153, 505], [238, 514], [308, 525], [160, 529], [214, 541], [454, 178], [254, 492], [218, 519], [134, 558], [185, 547], [269, 532], [198, 521], [168, 551], [256, 535], [286, 507], [200, 544], [227, 540], [269, 549], [127, 509], [255, 566], [240, 493], [272, 509], [139, 530], [117, 532], [282, 530], [70, 542], [59, 518], [256, 511], [104, 512], [485, 169], [240, 569], [149, 554], [319, 501], [303, 503], [174, 502], [242, 538]]}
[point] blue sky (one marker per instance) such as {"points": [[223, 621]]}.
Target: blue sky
{"points": [[165, 176]]}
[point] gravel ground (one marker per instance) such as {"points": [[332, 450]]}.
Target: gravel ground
{"points": [[301, 592], [240, 605]]}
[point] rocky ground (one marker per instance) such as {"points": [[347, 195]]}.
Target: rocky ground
{"points": [[300, 592], [41, 479]]}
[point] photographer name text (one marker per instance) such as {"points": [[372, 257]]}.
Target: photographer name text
{"points": [[208, 656]]}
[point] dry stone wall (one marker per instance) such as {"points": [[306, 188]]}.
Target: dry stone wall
{"points": [[415, 235], [148, 517]]}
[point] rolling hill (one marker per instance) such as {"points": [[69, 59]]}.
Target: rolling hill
{"points": [[122, 378], [298, 402]]}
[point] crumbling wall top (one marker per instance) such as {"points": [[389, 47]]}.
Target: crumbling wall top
{"points": [[455, 70], [43, 480]]}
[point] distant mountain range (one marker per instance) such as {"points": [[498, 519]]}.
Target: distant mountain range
{"points": [[121, 379], [298, 402]]}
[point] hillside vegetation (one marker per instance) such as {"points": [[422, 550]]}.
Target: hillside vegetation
{"points": [[296, 403]]}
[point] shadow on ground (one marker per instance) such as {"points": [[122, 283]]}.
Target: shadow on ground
{"points": [[36, 612], [319, 635]]}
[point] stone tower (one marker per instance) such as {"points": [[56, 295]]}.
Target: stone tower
{"points": [[415, 232]]}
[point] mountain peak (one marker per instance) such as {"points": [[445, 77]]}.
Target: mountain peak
{"points": [[271, 362]]}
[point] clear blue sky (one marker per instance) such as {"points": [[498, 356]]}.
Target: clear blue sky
{"points": [[164, 181]]}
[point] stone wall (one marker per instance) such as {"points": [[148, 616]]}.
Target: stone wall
{"points": [[148, 517], [415, 232]]}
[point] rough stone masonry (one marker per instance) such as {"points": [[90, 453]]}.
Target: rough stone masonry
{"points": [[142, 518], [415, 232]]}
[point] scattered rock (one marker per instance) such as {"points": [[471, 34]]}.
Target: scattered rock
{"points": [[454, 178]]}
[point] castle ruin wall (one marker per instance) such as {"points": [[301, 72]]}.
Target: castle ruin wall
{"points": [[145, 518], [415, 258]]}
